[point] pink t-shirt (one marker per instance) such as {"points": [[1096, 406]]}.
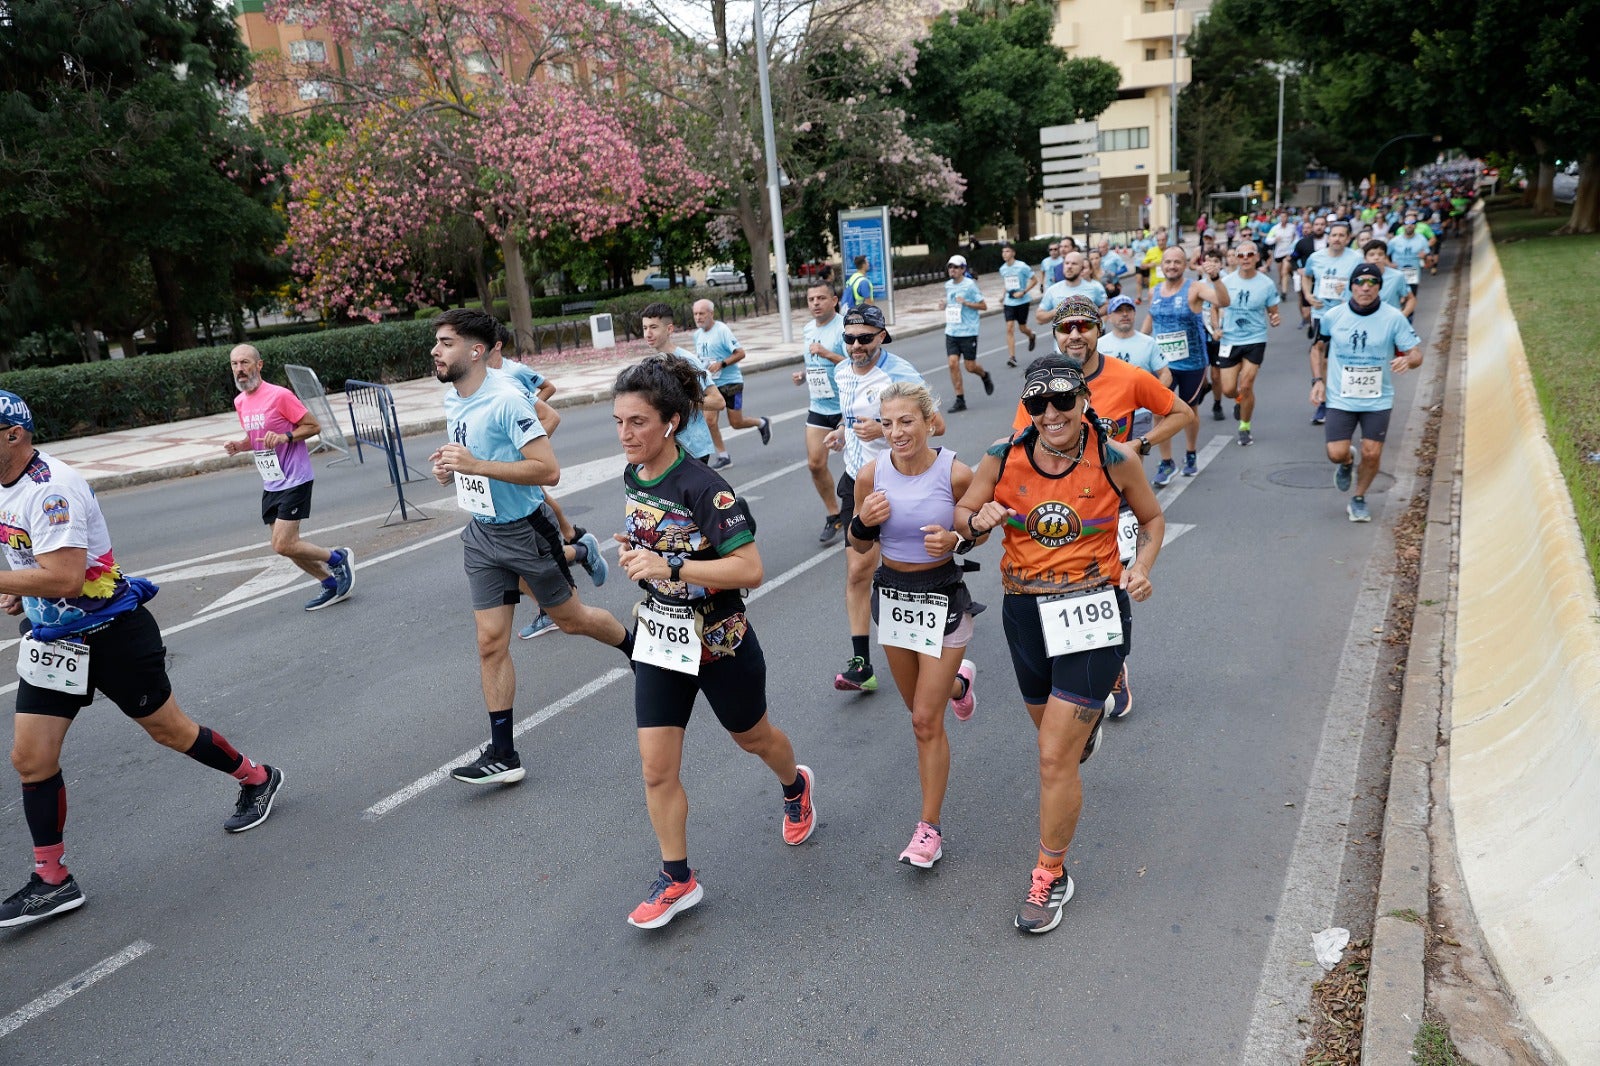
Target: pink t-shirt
{"points": [[275, 409]]}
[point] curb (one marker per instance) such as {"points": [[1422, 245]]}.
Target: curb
{"points": [[1397, 980]]}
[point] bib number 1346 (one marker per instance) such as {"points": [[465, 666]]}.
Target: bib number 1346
{"points": [[1080, 623]]}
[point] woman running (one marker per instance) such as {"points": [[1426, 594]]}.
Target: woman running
{"points": [[690, 542], [1055, 488], [905, 503]]}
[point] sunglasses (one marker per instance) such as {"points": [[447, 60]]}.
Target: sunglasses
{"points": [[1244, 255], [1076, 325], [860, 338], [1035, 405], [1360, 283]]}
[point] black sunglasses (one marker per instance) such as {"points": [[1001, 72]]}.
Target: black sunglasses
{"points": [[1035, 405], [860, 338]]}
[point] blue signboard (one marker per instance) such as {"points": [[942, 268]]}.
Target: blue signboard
{"points": [[866, 232]]}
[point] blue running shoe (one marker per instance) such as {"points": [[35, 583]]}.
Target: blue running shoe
{"points": [[595, 563]]}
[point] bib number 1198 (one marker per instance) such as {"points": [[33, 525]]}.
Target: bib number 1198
{"points": [[1080, 623]]}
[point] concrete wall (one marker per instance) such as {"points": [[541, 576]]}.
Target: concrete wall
{"points": [[1525, 720]]}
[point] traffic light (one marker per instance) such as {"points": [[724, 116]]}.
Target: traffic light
{"points": [[1261, 190]]}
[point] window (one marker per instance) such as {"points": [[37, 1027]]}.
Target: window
{"points": [[563, 72], [1149, 6], [479, 63], [316, 90], [1124, 140], [1149, 54], [308, 52]]}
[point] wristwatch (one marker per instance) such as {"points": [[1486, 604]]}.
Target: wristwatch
{"points": [[674, 567], [1144, 445]]}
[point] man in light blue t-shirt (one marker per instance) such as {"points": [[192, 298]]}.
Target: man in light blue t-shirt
{"points": [[1361, 345], [1074, 282], [1138, 349], [963, 301], [721, 354], [1252, 307], [824, 350], [1018, 280]]}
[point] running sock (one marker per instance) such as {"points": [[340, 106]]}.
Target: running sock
{"points": [[1052, 860], [213, 750], [1245, 426], [336, 558], [47, 864], [722, 455], [580, 553], [330, 582], [964, 687], [626, 647], [793, 791], [44, 805], [500, 732], [577, 534], [677, 869], [861, 648], [935, 827]]}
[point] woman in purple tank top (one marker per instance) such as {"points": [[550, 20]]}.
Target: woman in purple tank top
{"points": [[905, 501]]}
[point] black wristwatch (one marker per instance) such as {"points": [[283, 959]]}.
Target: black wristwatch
{"points": [[972, 529], [1144, 445], [674, 567]]}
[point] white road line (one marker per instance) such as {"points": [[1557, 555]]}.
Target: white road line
{"points": [[67, 989]]}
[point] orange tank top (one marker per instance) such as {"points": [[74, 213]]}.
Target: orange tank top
{"points": [[1065, 539]]}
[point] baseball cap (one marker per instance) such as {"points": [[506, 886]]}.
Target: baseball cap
{"points": [[14, 411], [868, 315], [1119, 302], [957, 261], [1366, 270]]}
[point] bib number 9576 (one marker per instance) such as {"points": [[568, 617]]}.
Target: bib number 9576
{"points": [[61, 665]]}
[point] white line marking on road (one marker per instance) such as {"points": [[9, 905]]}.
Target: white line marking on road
{"points": [[1174, 531], [67, 989]]}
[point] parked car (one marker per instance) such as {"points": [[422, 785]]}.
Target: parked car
{"points": [[660, 282], [1566, 184], [723, 275]]}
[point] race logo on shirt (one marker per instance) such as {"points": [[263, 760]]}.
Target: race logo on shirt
{"points": [[723, 500], [56, 511], [1054, 524], [524, 424]]}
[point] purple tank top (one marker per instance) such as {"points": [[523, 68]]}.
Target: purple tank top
{"points": [[914, 502]]}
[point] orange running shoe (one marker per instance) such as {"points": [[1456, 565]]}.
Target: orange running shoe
{"points": [[799, 816], [666, 900]]}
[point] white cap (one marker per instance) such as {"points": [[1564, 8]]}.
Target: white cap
{"points": [[957, 261]]}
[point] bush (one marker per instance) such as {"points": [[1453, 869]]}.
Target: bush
{"points": [[89, 398]]}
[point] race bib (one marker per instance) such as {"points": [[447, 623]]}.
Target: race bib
{"points": [[952, 314], [267, 465], [1413, 275], [472, 494], [62, 665], [668, 636], [912, 620], [1361, 382], [1127, 536], [1174, 346], [1294, 281], [1083, 622], [820, 383], [1224, 352], [1329, 288]]}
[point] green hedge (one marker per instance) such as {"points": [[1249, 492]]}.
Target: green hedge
{"points": [[89, 398]]}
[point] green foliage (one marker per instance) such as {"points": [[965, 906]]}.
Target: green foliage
{"points": [[78, 401]]}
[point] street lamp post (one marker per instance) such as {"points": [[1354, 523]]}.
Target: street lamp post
{"points": [[774, 192], [1177, 234], [1277, 181], [1373, 169]]}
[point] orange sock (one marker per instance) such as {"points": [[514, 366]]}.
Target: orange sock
{"points": [[1051, 860]]}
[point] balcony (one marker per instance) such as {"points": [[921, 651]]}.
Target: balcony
{"points": [[1156, 25], [1154, 73]]}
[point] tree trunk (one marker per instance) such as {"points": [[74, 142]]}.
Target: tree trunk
{"points": [[480, 278], [758, 234], [88, 341], [236, 325], [1544, 189], [129, 346], [180, 327], [1586, 203], [517, 293]]}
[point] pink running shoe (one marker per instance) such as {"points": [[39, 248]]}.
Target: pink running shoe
{"points": [[926, 847], [968, 703]]}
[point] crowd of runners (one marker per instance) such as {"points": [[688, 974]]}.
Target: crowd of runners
{"points": [[1136, 339]]}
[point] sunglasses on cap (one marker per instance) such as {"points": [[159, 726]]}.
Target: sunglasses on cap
{"points": [[860, 338], [1061, 401], [1077, 325]]}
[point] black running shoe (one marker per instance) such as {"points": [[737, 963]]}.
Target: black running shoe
{"points": [[490, 768], [988, 385], [1033, 338], [39, 900], [765, 429], [832, 526], [1216, 411], [959, 405], [255, 802], [1092, 745]]}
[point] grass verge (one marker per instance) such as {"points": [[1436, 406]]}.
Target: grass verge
{"points": [[1432, 1047], [1560, 326]]}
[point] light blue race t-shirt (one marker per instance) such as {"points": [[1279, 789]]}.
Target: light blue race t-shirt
{"points": [[1056, 294], [495, 423], [1360, 349], [1244, 320], [954, 292], [819, 371], [715, 345], [1015, 277]]}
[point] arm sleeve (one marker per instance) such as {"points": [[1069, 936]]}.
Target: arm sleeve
{"points": [[519, 419], [59, 519], [287, 404]]}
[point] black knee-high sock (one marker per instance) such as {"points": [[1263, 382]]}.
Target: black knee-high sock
{"points": [[44, 805], [500, 731], [861, 646]]}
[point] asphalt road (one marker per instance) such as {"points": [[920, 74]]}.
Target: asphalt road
{"points": [[463, 925]]}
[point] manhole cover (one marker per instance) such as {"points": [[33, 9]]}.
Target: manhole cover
{"points": [[1317, 476]]}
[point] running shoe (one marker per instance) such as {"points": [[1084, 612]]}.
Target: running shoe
{"points": [[1033, 338], [255, 802], [959, 405], [1121, 696], [1190, 467], [1092, 745], [832, 526], [1321, 415], [968, 703], [490, 768], [765, 429], [722, 462], [857, 676], [1164, 471], [539, 626], [1311, 331], [667, 899], [988, 385], [1245, 439], [1357, 509], [1341, 476], [38, 900], [344, 574], [1216, 411], [1049, 892], [799, 814], [925, 849], [1012, 361], [594, 563], [324, 597]]}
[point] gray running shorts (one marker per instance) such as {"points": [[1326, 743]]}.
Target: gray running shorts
{"points": [[496, 555]]}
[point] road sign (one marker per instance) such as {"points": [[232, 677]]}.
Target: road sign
{"points": [[1069, 166], [1070, 133], [1173, 177], [1092, 204], [866, 232], [1068, 153]]}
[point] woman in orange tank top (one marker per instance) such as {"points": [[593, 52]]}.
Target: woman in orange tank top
{"points": [[1054, 490]]}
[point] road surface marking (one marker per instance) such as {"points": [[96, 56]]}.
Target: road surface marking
{"points": [[67, 989]]}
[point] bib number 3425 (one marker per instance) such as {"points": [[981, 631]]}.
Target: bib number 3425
{"points": [[1083, 622], [61, 665]]}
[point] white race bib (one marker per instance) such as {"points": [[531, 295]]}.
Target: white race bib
{"points": [[1361, 382], [1083, 622], [952, 314], [668, 636], [1224, 352], [1174, 346], [472, 494], [1413, 275], [912, 620], [1294, 281], [1329, 288], [820, 383], [62, 665], [1127, 536], [267, 465]]}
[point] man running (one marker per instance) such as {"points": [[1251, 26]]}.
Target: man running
{"points": [[497, 458], [1281, 238], [1361, 346], [1018, 280], [718, 349], [858, 287], [1396, 293], [963, 301], [1312, 240], [1252, 307], [1326, 276], [655, 322], [276, 427], [1136, 349], [86, 630], [1408, 249], [1174, 320], [824, 341], [1075, 281], [1050, 265]]}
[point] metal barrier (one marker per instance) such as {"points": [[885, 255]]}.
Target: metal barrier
{"points": [[376, 425], [306, 386]]}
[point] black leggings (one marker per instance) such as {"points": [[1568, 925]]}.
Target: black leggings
{"points": [[735, 686], [1083, 678]]}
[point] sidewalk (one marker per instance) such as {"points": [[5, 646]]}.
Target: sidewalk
{"points": [[194, 446]]}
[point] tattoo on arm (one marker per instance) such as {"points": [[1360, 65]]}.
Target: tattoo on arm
{"points": [[1088, 714], [1141, 540]]}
